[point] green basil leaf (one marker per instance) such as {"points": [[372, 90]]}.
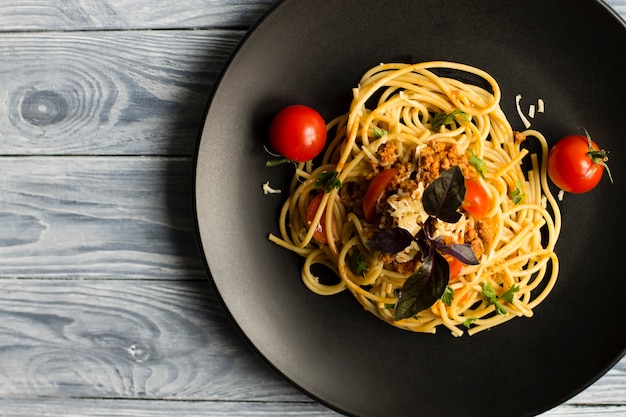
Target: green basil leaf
{"points": [[443, 197], [422, 289]]}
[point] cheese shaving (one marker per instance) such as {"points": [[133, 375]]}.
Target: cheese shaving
{"points": [[518, 98], [540, 106], [269, 190]]}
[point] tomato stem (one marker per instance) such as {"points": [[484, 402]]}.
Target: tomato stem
{"points": [[598, 156]]}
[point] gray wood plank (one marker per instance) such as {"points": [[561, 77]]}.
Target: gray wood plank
{"points": [[97, 217], [586, 411], [154, 340], [158, 408], [142, 14], [107, 93], [128, 14], [120, 339]]}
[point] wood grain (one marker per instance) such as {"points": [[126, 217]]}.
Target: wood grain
{"points": [[169, 340], [117, 339], [97, 217], [162, 408], [112, 93], [57, 15], [129, 408]]}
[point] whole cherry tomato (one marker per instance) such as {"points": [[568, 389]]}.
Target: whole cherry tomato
{"points": [[476, 201], [375, 191], [576, 164], [298, 133]]}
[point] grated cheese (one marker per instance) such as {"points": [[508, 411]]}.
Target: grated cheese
{"points": [[408, 211], [540, 106], [518, 98], [269, 190]]}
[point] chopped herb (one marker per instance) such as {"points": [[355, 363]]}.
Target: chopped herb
{"points": [[488, 292], [479, 164], [328, 180], [443, 119], [379, 132], [490, 295], [468, 322], [508, 294], [517, 196], [276, 162], [448, 296], [357, 262]]}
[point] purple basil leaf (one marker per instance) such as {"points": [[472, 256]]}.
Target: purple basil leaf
{"points": [[443, 197], [438, 244], [427, 228], [391, 240], [422, 289], [461, 251], [464, 253], [423, 242]]}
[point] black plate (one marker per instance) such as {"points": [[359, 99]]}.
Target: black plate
{"points": [[568, 53]]}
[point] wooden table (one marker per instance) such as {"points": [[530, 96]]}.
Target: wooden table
{"points": [[105, 306]]}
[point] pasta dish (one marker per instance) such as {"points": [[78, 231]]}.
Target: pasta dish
{"points": [[428, 207]]}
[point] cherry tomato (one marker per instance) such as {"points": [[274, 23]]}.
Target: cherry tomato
{"points": [[320, 231], [374, 192], [298, 133], [456, 267], [477, 201], [576, 164]]}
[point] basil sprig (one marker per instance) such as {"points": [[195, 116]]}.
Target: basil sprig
{"points": [[441, 200]]}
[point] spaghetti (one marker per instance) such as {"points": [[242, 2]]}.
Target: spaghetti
{"points": [[413, 123]]}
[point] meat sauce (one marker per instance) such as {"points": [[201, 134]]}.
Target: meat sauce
{"points": [[434, 159]]}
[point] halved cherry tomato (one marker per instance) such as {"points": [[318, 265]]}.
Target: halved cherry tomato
{"points": [[320, 231], [456, 267], [298, 133], [477, 201], [374, 192], [576, 164]]}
